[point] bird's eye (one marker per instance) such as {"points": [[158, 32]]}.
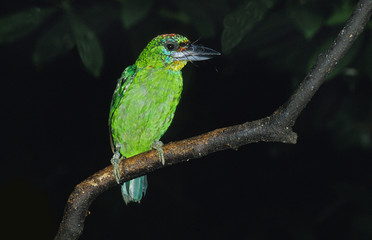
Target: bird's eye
{"points": [[170, 46]]}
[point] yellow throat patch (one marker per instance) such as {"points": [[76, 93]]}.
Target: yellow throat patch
{"points": [[177, 65]]}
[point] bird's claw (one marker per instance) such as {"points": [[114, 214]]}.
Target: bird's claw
{"points": [[115, 160], [157, 145]]}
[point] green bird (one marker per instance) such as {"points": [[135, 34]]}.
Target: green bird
{"points": [[145, 100]]}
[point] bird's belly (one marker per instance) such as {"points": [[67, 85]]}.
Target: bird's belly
{"points": [[144, 116]]}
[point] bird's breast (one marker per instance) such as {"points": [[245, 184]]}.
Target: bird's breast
{"points": [[146, 110]]}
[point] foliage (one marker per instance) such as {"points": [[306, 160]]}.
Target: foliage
{"points": [[238, 23], [17, 25], [245, 24]]}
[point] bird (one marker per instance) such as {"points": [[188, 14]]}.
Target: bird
{"points": [[145, 100]]}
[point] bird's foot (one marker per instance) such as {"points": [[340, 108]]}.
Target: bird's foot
{"points": [[157, 145], [115, 160]]}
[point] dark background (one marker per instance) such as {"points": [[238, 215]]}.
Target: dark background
{"points": [[59, 65]]}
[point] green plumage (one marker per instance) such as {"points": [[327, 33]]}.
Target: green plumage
{"points": [[151, 100], [145, 99]]}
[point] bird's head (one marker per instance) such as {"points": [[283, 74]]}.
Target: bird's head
{"points": [[172, 51]]}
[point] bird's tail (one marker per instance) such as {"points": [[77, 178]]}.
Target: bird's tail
{"points": [[133, 190]]}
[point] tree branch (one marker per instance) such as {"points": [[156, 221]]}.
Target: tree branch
{"points": [[275, 128]]}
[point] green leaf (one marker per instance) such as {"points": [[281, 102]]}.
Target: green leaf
{"points": [[260, 39], [238, 23], [53, 42], [134, 11], [307, 21], [18, 25], [340, 14], [88, 46]]}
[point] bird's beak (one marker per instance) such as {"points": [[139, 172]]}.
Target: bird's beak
{"points": [[195, 53]]}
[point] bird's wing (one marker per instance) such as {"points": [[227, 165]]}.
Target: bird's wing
{"points": [[121, 87]]}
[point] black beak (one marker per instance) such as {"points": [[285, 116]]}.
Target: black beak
{"points": [[195, 53]]}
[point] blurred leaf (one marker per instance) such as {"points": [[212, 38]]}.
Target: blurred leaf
{"points": [[134, 11], [178, 16], [89, 48], [326, 42], [53, 43], [238, 23], [100, 15], [306, 20], [345, 61], [280, 48], [340, 14], [259, 38], [18, 25], [202, 21]]}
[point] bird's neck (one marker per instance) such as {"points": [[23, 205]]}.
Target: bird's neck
{"points": [[176, 65]]}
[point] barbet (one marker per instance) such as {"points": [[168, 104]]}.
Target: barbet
{"points": [[144, 102]]}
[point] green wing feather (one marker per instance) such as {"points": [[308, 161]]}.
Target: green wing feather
{"points": [[121, 87]]}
